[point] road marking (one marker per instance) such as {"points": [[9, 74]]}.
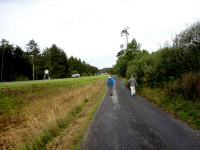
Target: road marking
{"points": [[114, 97], [116, 142], [116, 105]]}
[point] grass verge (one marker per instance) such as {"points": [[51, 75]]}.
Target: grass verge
{"points": [[91, 113], [42, 110], [72, 136], [188, 111]]}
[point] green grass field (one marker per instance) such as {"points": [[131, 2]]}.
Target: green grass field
{"points": [[18, 84], [14, 95], [43, 108]]}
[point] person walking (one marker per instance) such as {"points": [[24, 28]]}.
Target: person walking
{"points": [[132, 83], [110, 84]]}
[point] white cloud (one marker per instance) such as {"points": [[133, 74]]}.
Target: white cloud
{"points": [[90, 29]]}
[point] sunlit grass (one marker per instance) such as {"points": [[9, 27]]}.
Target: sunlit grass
{"points": [[46, 82], [33, 113]]}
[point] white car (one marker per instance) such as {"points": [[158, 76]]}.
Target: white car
{"points": [[76, 76]]}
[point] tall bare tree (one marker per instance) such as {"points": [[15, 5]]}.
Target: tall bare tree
{"points": [[33, 50]]}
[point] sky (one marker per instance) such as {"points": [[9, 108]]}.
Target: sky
{"points": [[90, 29]]}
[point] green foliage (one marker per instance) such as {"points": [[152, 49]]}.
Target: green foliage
{"points": [[188, 38], [9, 104], [21, 78], [134, 45], [17, 65], [125, 56], [138, 66], [189, 42], [56, 62], [75, 72], [167, 64], [11, 61], [173, 71], [122, 62], [32, 48], [78, 66], [188, 86], [126, 84]]}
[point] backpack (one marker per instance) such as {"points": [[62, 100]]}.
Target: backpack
{"points": [[110, 82]]}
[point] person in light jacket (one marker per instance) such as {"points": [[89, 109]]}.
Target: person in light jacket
{"points": [[132, 83]]}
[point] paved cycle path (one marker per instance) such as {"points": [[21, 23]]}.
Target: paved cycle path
{"points": [[126, 122]]}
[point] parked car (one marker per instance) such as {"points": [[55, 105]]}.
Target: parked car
{"points": [[76, 76]]}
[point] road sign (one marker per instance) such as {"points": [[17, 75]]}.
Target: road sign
{"points": [[46, 71]]}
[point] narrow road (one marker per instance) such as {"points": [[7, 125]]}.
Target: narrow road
{"points": [[126, 122]]}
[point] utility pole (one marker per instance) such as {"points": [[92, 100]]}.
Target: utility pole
{"points": [[33, 50]]}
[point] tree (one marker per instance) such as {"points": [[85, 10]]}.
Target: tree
{"points": [[125, 56], [189, 42], [16, 64], [81, 67], [21, 65], [189, 37], [125, 32], [133, 46], [6, 60], [56, 62], [33, 50]]}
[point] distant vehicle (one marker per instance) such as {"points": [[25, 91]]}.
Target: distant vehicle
{"points": [[76, 76]]}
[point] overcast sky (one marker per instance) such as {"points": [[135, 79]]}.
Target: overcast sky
{"points": [[90, 29]]}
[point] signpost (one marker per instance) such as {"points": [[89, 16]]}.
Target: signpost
{"points": [[46, 74]]}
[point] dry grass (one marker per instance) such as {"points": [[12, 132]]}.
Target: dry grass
{"points": [[72, 136], [43, 115]]}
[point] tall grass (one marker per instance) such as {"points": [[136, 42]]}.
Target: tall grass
{"points": [[46, 108], [72, 136], [187, 86]]}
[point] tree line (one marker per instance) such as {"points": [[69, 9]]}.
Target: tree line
{"points": [[17, 64], [175, 67]]}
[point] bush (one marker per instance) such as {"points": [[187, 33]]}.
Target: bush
{"points": [[126, 84], [187, 86], [22, 78], [172, 89], [190, 86]]}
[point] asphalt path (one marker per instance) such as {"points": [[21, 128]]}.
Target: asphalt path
{"points": [[126, 122]]}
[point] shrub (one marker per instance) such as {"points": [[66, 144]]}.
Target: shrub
{"points": [[22, 78], [172, 88], [187, 86], [190, 86]]}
